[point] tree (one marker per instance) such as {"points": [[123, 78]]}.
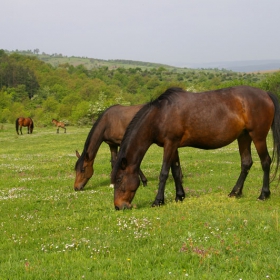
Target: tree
{"points": [[272, 83], [19, 94], [50, 105], [5, 100], [13, 73], [81, 113]]}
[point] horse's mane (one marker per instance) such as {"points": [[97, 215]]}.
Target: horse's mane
{"points": [[82, 157], [140, 117], [167, 95]]}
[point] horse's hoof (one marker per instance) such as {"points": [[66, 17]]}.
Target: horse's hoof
{"points": [[157, 203], [264, 195], [179, 198], [234, 194]]}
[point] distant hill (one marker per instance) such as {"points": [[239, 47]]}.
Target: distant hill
{"points": [[241, 66], [90, 63]]}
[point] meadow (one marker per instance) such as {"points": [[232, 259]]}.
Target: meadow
{"points": [[49, 231]]}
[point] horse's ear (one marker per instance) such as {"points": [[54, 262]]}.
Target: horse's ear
{"points": [[77, 154], [123, 163]]}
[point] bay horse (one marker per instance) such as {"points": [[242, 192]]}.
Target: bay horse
{"points": [[58, 125], [20, 122], [206, 120], [109, 128]]}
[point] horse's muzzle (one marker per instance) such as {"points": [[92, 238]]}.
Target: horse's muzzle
{"points": [[123, 206]]}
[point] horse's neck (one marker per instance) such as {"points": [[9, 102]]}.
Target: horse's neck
{"points": [[95, 141], [137, 147]]}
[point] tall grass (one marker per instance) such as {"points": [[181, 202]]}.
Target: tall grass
{"points": [[49, 231]]}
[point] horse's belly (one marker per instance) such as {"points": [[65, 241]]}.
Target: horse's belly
{"points": [[210, 139]]}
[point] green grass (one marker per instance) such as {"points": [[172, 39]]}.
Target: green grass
{"points": [[49, 231]]}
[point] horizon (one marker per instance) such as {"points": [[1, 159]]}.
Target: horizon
{"points": [[195, 31]]}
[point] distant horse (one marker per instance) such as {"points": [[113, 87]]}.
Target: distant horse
{"points": [[206, 120], [109, 128], [58, 125], [20, 122]]}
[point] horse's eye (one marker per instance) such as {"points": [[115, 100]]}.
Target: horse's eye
{"points": [[83, 170], [119, 179]]}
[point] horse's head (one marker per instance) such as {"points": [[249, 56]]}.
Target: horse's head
{"points": [[126, 182], [84, 171]]}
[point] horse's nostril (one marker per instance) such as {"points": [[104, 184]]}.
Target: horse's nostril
{"points": [[117, 208]]}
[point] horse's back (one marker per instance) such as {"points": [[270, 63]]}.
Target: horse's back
{"points": [[214, 119], [122, 114], [116, 119]]}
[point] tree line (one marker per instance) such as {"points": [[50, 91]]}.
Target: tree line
{"points": [[77, 95]]}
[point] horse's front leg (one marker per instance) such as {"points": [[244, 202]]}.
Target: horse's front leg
{"points": [[114, 154], [143, 178], [167, 160], [178, 178], [57, 131]]}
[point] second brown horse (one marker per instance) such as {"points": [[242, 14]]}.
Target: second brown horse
{"points": [[110, 128]]}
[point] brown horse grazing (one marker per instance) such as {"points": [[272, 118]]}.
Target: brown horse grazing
{"points": [[110, 128], [58, 125], [20, 122], [206, 120]]}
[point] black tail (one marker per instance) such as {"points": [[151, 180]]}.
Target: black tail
{"points": [[276, 134], [31, 126], [17, 125]]}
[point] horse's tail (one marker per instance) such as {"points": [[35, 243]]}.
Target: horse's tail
{"points": [[17, 125], [275, 127], [31, 126]]}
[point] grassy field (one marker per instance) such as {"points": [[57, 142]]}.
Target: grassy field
{"points": [[49, 231]]}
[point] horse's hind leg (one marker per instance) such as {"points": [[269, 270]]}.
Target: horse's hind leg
{"points": [[57, 131], [178, 177], [64, 129], [265, 162], [244, 144], [20, 129]]}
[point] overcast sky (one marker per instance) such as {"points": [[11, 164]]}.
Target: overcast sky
{"points": [[175, 32]]}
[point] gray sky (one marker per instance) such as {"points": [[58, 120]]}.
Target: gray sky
{"points": [[175, 32]]}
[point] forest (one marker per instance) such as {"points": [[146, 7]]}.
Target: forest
{"points": [[44, 87]]}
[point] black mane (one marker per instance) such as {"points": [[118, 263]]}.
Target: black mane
{"points": [[167, 95], [139, 117]]}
